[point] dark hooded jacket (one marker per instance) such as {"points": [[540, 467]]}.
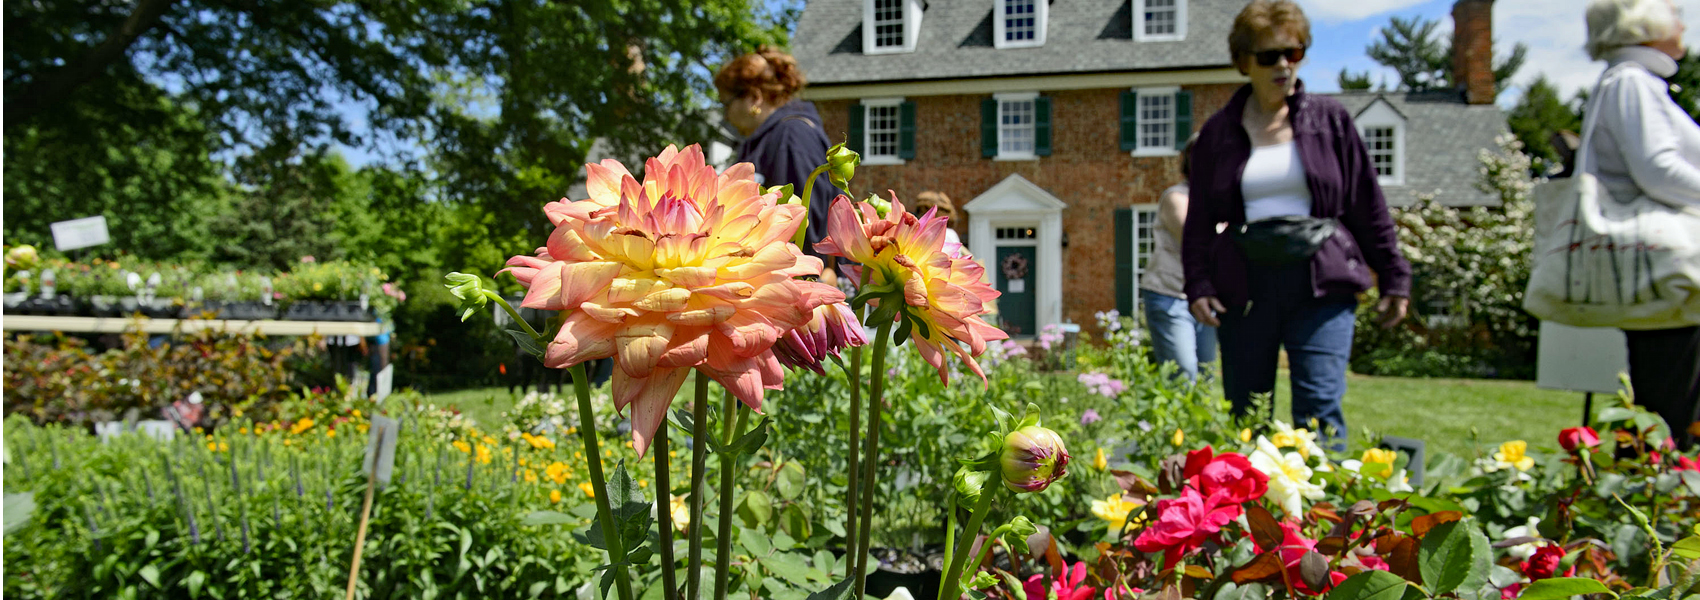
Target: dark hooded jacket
{"points": [[1343, 186], [787, 146]]}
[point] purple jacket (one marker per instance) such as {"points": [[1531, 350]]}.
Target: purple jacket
{"points": [[1342, 185]]}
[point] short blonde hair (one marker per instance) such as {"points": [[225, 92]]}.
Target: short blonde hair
{"points": [[1614, 24], [928, 199], [1262, 16]]}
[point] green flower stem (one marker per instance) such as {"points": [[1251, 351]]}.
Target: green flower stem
{"points": [[515, 315], [808, 194], [855, 381], [728, 463], [664, 511], [699, 464], [949, 536], [953, 573], [599, 484], [870, 483]]}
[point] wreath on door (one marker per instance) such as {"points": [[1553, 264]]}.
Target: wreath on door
{"points": [[1014, 267]]}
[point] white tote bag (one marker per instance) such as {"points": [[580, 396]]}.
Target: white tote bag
{"points": [[1628, 263]]}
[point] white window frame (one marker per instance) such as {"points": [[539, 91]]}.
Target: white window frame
{"points": [[911, 28], [1000, 38], [867, 132], [1380, 114], [1139, 34], [1032, 97], [1139, 107], [1144, 229]]}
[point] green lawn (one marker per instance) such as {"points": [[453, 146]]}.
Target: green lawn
{"points": [[1449, 414]]}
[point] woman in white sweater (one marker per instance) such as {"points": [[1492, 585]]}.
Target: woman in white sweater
{"points": [[1644, 144]]}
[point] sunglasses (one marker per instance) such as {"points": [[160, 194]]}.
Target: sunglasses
{"points": [[1267, 58]]}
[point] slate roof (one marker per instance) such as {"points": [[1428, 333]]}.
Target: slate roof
{"points": [[1443, 136], [955, 42]]}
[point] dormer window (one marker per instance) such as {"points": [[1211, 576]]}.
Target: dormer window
{"points": [[1020, 23], [1382, 129], [1159, 20], [890, 26]]}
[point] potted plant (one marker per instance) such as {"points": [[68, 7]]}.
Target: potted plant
{"points": [[235, 295], [329, 291]]}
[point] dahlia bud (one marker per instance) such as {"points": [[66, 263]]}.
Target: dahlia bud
{"points": [[470, 290], [831, 329], [22, 257], [842, 163], [1578, 437], [1032, 458]]}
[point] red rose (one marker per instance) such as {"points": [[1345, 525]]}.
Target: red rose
{"points": [[1578, 437], [1684, 463], [1511, 592], [1228, 473], [1544, 563], [1184, 523]]}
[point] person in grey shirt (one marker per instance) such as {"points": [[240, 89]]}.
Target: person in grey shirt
{"points": [[1175, 335]]}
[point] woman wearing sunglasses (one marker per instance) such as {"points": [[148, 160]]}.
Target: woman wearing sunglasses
{"points": [[1306, 225]]}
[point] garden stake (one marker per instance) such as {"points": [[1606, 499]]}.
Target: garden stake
{"points": [[870, 482], [295, 472], [664, 491], [241, 502], [854, 378], [212, 505], [699, 463], [593, 457], [365, 513], [730, 430]]}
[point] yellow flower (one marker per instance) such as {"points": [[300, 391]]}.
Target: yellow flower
{"points": [[317, 287], [1100, 462], [304, 424], [539, 442], [363, 427], [1180, 437], [672, 454], [489, 440], [588, 489], [1245, 434], [356, 413], [463, 447], [236, 412], [330, 433], [243, 431], [643, 483], [556, 471], [522, 461], [1114, 509], [554, 496], [218, 446], [1514, 453], [1378, 462], [483, 454], [681, 513], [530, 476]]}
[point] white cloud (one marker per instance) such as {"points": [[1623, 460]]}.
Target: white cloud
{"points": [[1352, 10], [1554, 30]]}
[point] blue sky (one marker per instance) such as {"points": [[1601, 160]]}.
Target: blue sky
{"points": [[1553, 30]]}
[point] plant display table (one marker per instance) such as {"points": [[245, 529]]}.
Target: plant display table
{"points": [[120, 325]]}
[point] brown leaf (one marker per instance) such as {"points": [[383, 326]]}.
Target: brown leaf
{"points": [[1363, 509], [1331, 545], [1313, 567], [1169, 592], [1040, 542], [1392, 504], [1171, 474], [1516, 541], [1198, 571], [1133, 484], [1054, 557], [1421, 525], [1324, 513], [1266, 566], [1265, 530], [1402, 560]]}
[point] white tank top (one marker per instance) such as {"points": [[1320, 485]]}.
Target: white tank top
{"points": [[1274, 183]]}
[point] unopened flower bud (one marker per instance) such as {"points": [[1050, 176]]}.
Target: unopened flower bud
{"points": [[842, 167], [1032, 458]]}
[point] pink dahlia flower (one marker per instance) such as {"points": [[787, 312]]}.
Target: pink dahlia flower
{"points": [[832, 328], [687, 269], [943, 288]]}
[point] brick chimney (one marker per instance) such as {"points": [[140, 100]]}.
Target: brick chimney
{"points": [[1472, 49]]}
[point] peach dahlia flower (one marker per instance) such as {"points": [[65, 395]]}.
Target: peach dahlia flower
{"points": [[942, 287], [688, 269]]}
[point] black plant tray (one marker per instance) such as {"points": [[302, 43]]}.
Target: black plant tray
{"points": [[327, 311]]}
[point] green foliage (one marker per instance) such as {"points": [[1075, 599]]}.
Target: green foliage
{"points": [[1538, 116], [1470, 267], [1685, 85], [1423, 57], [1353, 82]]}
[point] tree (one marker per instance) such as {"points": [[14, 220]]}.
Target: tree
{"points": [[1354, 83], [1685, 84], [1539, 115], [1423, 57]]}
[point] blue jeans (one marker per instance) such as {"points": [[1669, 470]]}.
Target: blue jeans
{"points": [[1175, 336], [1317, 333]]}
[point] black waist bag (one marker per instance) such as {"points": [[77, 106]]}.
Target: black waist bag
{"points": [[1281, 241]]}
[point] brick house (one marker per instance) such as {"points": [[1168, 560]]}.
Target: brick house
{"points": [[1055, 124]]}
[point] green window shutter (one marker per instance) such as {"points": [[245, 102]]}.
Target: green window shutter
{"points": [[906, 131], [989, 127], [854, 141], [1130, 121], [1183, 118], [1042, 126], [1124, 262]]}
